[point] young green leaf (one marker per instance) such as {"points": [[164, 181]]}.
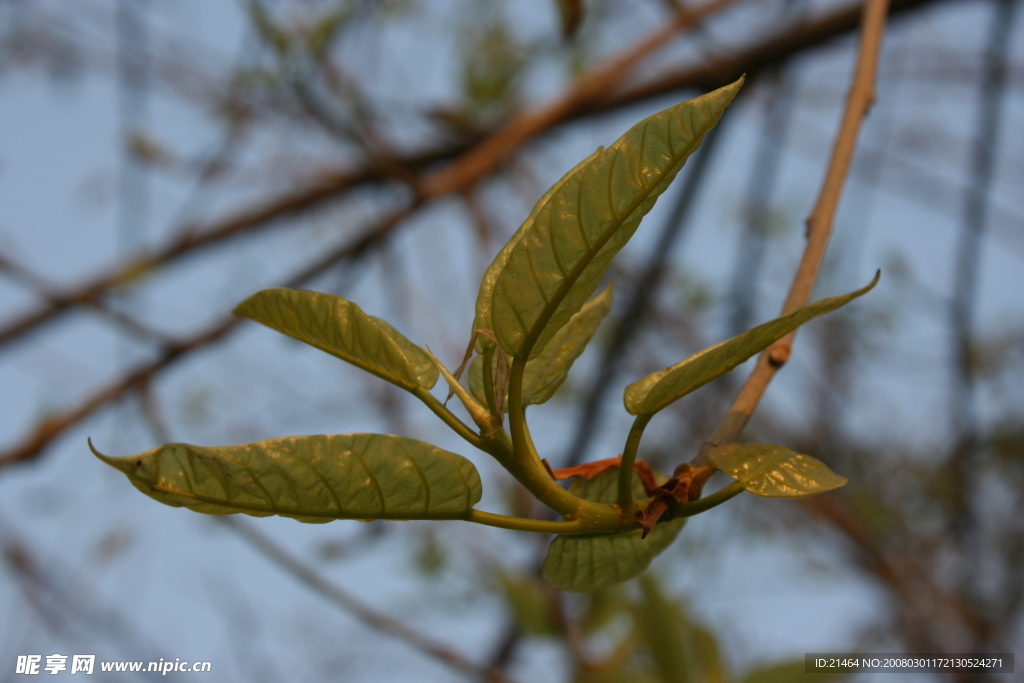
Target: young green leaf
{"points": [[559, 259], [309, 478], [774, 471], [342, 329], [659, 389], [546, 372], [482, 321], [582, 563]]}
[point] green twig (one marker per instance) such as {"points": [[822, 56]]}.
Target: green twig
{"points": [[526, 465], [449, 418], [636, 432], [540, 526], [704, 504]]}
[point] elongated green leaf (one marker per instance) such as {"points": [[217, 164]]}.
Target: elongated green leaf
{"points": [[482, 321], [309, 478], [546, 372], [342, 329], [561, 257], [659, 389], [775, 471], [582, 563]]}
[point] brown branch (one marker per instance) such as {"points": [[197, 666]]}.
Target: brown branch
{"points": [[44, 290], [360, 610], [490, 152], [56, 425], [334, 184], [693, 475], [191, 238], [753, 60]]}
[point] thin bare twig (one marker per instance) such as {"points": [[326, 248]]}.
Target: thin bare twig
{"points": [[357, 608], [819, 227]]}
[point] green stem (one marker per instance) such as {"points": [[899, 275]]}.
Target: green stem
{"points": [[704, 504], [636, 432], [449, 418], [539, 526], [525, 464]]}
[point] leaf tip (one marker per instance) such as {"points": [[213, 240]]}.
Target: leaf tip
{"points": [[106, 459], [241, 310], [95, 452], [868, 287]]}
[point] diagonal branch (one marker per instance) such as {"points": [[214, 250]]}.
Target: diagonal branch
{"points": [[193, 238], [360, 610], [58, 424], [490, 152], [819, 227]]}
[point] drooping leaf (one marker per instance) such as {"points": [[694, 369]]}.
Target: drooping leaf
{"points": [[775, 471], [790, 672], [547, 371], [681, 648], [582, 563], [309, 478], [342, 329], [661, 622], [660, 389], [531, 607], [482, 321], [560, 258]]}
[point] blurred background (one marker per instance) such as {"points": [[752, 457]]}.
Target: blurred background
{"points": [[160, 161]]}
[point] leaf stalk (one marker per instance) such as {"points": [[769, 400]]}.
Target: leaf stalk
{"points": [[636, 432]]}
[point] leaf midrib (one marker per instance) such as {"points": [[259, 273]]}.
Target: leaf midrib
{"points": [[549, 310], [278, 510]]}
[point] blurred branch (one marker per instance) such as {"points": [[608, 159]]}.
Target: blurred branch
{"points": [[919, 597], [333, 184], [753, 60], [819, 227], [54, 426], [44, 290], [490, 152], [963, 417], [191, 238], [60, 602], [360, 610], [764, 175]]}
